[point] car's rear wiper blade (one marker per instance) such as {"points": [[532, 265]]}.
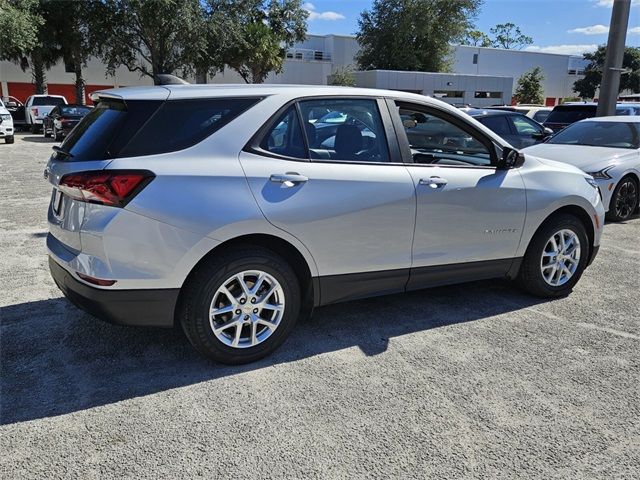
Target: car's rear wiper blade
{"points": [[61, 151]]}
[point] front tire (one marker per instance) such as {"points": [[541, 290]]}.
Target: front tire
{"points": [[624, 201], [10, 139], [556, 257], [240, 306]]}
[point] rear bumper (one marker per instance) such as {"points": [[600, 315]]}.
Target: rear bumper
{"points": [[144, 308]]}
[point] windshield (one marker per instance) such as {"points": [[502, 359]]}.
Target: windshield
{"points": [[48, 101], [74, 110], [600, 134]]}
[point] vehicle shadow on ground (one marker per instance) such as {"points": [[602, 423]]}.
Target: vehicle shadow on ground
{"points": [[56, 359], [38, 139]]}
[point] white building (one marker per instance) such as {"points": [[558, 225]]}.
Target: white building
{"points": [[313, 60]]}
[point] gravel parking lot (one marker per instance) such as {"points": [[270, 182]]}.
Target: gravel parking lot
{"points": [[477, 380]]}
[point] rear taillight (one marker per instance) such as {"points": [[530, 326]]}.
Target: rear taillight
{"points": [[106, 187]]}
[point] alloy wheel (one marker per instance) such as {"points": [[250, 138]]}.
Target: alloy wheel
{"points": [[560, 257], [627, 199], [246, 309]]}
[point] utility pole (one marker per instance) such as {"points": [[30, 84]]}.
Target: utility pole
{"points": [[613, 60]]}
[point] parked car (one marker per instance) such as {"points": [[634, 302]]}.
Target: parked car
{"points": [[608, 149], [218, 208], [37, 107], [6, 124], [539, 113], [568, 113], [16, 109], [61, 120], [517, 129]]}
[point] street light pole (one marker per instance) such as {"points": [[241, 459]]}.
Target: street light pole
{"points": [[613, 60]]}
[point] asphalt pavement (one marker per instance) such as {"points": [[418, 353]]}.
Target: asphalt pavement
{"points": [[472, 381]]}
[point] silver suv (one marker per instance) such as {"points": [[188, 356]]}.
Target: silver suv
{"points": [[235, 210]]}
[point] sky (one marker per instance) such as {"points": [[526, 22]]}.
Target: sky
{"points": [[557, 26]]}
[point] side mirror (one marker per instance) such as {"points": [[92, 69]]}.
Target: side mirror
{"points": [[511, 158], [547, 131]]}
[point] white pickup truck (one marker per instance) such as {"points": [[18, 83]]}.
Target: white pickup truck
{"points": [[37, 107]]}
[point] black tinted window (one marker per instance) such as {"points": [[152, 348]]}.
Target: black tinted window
{"points": [[498, 123], [179, 124], [571, 114], [285, 137], [145, 127], [48, 101], [73, 110]]}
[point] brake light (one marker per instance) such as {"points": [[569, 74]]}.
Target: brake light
{"points": [[105, 187]]}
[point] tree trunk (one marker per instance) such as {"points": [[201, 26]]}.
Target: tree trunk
{"points": [[80, 83], [201, 75], [37, 72]]}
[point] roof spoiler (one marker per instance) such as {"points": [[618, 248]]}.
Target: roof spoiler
{"points": [[166, 79]]}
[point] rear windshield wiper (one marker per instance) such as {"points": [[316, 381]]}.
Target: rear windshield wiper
{"points": [[59, 150]]}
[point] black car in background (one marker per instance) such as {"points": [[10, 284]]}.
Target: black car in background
{"points": [[62, 119], [566, 114], [517, 129]]}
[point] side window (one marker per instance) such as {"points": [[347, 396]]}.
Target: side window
{"points": [[524, 126], [285, 137], [498, 123], [541, 115], [436, 140], [347, 130]]}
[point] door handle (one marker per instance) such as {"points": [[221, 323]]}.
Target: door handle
{"points": [[288, 179], [433, 182]]}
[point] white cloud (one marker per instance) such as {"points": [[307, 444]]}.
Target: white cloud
{"points": [[564, 49], [591, 30], [609, 3], [601, 30], [328, 15]]}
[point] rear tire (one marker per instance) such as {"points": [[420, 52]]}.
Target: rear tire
{"points": [[551, 272], [44, 131], [213, 287], [624, 200], [10, 139], [56, 135]]}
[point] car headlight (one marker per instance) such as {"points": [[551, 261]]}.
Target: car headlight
{"points": [[601, 175], [5, 117], [592, 182]]}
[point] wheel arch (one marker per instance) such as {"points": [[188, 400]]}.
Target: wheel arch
{"points": [[310, 289], [579, 213]]}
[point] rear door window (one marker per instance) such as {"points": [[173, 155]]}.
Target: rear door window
{"points": [[498, 123], [350, 130]]}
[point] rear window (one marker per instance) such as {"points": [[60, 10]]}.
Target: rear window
{"points": [[74, 110], [571, 114], [115, 129], [48, 101]]}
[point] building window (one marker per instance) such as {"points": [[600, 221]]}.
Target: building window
{"points": [[448, 93], [475, 58], [488, 95]]}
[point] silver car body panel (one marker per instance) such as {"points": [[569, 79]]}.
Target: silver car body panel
{"points": [[348, 218]]}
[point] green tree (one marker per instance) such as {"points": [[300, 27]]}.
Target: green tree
{"points": [[149, 36], [343, 77], [587, 86], [19, 24], [509, 36], [412, 34], [262, 31], [529, 87], [35, 50], [476, 38]]}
